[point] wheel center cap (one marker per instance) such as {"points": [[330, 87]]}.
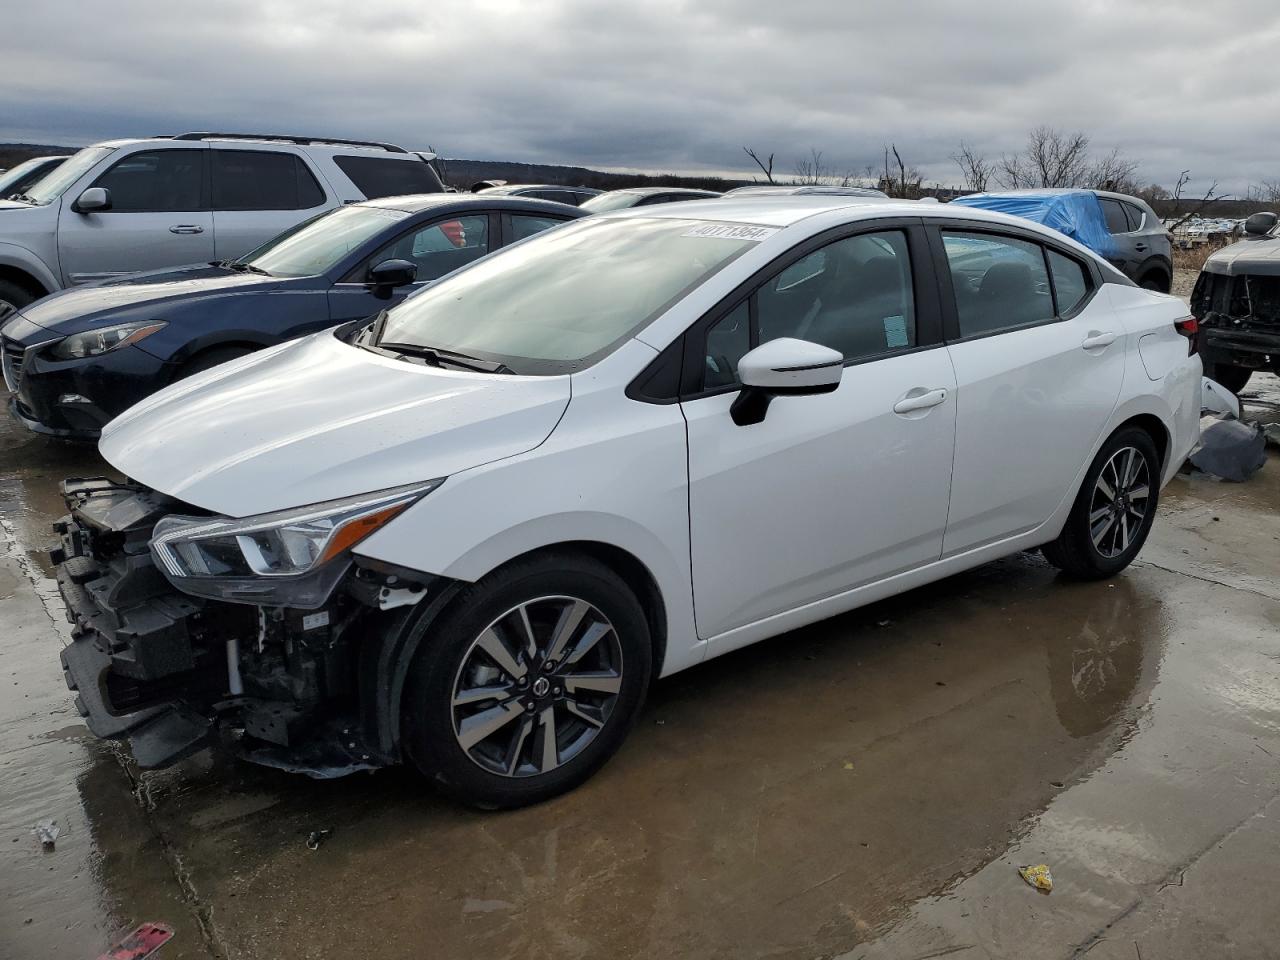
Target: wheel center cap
{"points": [[541, 686]]}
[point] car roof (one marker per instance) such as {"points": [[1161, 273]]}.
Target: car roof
{"points": [[450, 202], [650, 191], [319, 145], [1022, 191], [785, 210], [772, 210]]}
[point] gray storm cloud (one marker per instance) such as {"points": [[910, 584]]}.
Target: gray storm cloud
{"points": [[665, 85]]}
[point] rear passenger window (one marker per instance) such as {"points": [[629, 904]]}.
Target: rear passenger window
{"points": [[261, 180], [999, 282], [1070, 281], [1117, 222], [379, 177], [161, 181], [853, 295], [520, 226], [1134, 214]]}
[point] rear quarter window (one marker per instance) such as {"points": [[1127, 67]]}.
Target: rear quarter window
{"points": [[383, 177]]}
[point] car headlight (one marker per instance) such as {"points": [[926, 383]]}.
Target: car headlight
{"points": [[91, 343], [275, 559]]}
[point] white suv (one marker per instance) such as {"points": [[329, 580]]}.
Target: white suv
{"points": [[125, 206]]}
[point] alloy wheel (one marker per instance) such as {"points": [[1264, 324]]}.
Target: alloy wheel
{"points": [[537, 686], [1121, 498]]}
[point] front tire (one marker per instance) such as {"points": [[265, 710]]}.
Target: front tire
{"points": [[528, 683], [13, 298], [1114, 509]]}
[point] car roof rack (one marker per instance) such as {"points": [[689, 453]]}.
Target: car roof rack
{"points": [[304, 141]]}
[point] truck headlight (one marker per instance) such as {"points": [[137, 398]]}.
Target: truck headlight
{"points": [[91, 343], [274, 559]]}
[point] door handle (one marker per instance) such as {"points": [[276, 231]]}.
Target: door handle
{"points": [[1140, 247], [186, 228], [1096, 340], [920, 401]]}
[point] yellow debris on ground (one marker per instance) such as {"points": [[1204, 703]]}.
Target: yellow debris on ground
{"points": [[1038, 876]]}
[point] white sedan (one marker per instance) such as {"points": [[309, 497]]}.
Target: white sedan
{"points": [[470, 532]]}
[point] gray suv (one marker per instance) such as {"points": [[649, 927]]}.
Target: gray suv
{"points": [[1144, 252], [126, 206]]}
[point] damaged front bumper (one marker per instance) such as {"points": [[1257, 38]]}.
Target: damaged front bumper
{"points": [[174, 673]]}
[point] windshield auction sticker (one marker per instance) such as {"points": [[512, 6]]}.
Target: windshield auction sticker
{"points": [[731, 231]]}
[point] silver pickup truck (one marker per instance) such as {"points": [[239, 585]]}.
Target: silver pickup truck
{"points": [[125, 206]]}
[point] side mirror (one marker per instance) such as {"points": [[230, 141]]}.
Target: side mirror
{"points": [[389, 274], [93, 200], [785, 367], [1260, 224]]}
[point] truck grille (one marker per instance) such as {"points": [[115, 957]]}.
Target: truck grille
{"points": [[11, 357]]}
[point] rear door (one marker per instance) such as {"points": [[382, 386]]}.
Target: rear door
{"points": [[159, 217], [1039, 362], [1121, 227], [258, 194]]}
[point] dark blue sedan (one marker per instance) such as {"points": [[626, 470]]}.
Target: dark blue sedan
{"points": [[76, 359]]}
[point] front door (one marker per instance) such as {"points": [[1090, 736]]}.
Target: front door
{"points": [[834, 491], [1039, 360], [159, 218]]}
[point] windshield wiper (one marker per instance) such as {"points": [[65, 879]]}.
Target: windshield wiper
{"points": [[241, 267], [438, 357], [23, 198]]}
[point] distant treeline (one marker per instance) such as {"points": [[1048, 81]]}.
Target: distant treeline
{"points": [[463, 173], [12, 154]]}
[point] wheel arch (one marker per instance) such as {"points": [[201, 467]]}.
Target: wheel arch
{"points": [[1157, 265], [36, 278], [403, 632]]}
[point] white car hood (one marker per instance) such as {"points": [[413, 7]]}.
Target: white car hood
{"points": [[317, 419]]}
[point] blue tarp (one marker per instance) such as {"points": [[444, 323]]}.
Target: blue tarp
{"points": [[1077, 213]]}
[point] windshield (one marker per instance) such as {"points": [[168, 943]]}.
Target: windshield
{"points": [[563, 299], [14, 174], [51, 187], [318, 245], [619, 200]]}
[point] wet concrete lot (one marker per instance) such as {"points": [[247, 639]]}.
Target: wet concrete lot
{"points": [[865, 787]]}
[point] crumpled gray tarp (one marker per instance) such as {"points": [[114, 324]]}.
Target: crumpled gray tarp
{"points": [[1230, 448]]}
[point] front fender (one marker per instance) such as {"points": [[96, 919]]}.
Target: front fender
{"points": [[21, 258]]}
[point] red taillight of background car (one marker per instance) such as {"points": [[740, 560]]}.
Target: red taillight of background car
{"points": [[1189, 327], [455, 232]]}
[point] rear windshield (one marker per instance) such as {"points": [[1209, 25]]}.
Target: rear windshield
{"points": [[618, 200], [563, 299], [381, 177]]}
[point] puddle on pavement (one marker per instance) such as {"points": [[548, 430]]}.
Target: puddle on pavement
{"points": [[790, 799]]}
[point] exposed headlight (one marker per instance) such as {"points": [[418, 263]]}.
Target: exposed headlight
{"points": [[281, 558], [90, 343]]}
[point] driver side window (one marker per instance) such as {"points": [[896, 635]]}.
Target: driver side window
{"points": [[439, 247], [853, 295]]}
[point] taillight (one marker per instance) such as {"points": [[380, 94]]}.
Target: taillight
{"points": [[1189, 327]]}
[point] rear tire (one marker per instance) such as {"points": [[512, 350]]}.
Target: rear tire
{"points": [[1114, 509], [1156, 281], [1234, 379], [456, 689]]}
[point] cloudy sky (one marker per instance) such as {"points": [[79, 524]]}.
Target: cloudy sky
{"points": [[665, 85]]}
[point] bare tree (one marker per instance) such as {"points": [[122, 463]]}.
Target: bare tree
{"points": [[1188, 209], [1267, 192], [1049, 159], [899, 180], [976, 168], [1115, 172], [766, 166], [811, 170]]}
